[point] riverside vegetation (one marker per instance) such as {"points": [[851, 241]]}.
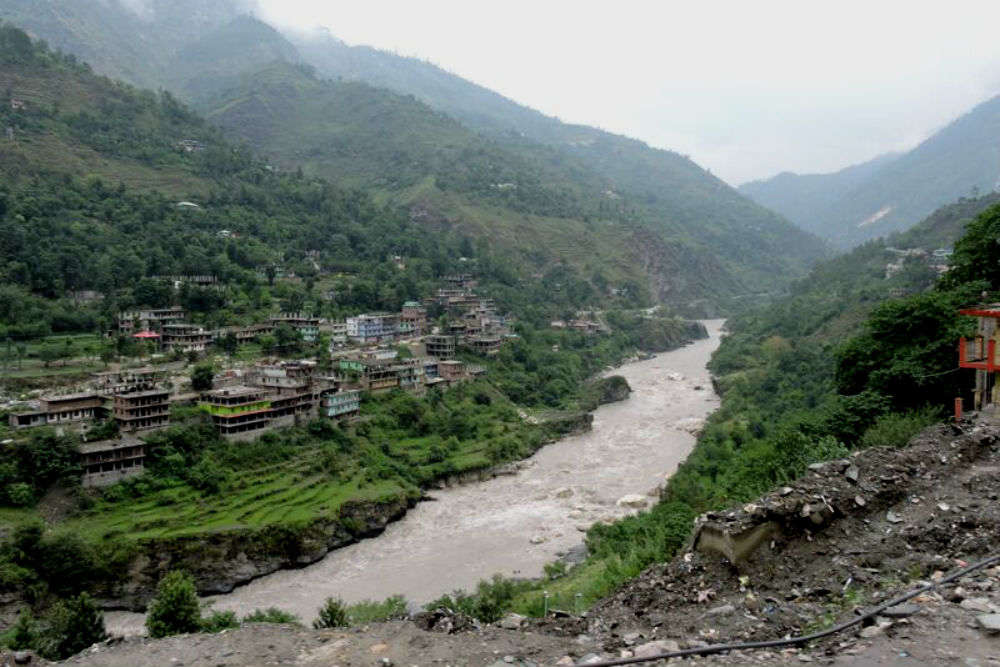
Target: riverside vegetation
{"points": [[837, 365]]}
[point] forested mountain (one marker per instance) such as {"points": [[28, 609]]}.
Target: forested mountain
{"points": [[888, 193], [806, 199], [699, 243]]}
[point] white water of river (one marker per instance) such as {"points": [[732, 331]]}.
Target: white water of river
{"points": [[513, 524]]}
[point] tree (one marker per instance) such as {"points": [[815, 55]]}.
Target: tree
{"points": [[73, 625], [333, 614], [174, 610], [229, 344], [202, 377], [49, 353], [108, 353], [25, 632]]}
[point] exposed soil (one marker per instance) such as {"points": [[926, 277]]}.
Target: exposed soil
{"points": [[846, 536]]}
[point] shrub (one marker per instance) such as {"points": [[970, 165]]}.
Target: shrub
{"points": [[271, 615], [370, 611], [218, 621], [24, 634], [72, 626], [202, 377], [896, 429], [333, 614], [174, 609]]}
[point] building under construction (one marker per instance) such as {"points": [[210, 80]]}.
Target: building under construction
{"points": [[979, 353]]}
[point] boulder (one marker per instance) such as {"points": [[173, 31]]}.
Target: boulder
{"points": [[633, 500], [989, 622], [512, 621], [649, 649]]}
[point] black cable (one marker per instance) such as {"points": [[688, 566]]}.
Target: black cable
{"points": [[794, 641]]}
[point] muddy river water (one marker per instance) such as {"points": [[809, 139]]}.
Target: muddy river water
{"points": [[513, 524]]}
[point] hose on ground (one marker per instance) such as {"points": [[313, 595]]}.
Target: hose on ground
{"points": [[802, 639]]}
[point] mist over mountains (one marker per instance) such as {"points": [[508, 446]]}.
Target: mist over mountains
{"points": [[891, 192]]}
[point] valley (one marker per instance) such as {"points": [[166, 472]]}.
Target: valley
{"points": [[516, 523], [300, 332]]}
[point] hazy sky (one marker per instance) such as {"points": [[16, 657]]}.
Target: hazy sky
{"points": [[747, 88]]}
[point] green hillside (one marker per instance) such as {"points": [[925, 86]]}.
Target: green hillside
{"points": [[886, 195], [94, 170], [721, 248], [806, 199], [679, 197]]}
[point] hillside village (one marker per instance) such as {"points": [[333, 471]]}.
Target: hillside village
{"points": [[369, 353]]}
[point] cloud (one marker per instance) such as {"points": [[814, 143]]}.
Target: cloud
{"points": [[746, 88]]}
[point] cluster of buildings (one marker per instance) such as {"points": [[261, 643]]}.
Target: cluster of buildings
{"points": [[275, 394], [166, 328], [473, 324], [586, 322], [938, 260], [272, 394]]}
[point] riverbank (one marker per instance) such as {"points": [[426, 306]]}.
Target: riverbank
{"points": [[513, 524]]}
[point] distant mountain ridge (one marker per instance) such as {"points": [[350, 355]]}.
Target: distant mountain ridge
{"points": [[473, 155], [893, 192]]}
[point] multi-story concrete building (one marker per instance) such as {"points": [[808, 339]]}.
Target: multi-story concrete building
{"points": [[452, 371], [440, 346], [127, 380], [142, 410], [488, 346], [344, 404], [379, 375], [183, 337], [132, 321], [373, 327], [247, 333], [411, 376], [337, 332], [109, 461], [412, 319], [62, 410], [238, 412], [306, 325]]}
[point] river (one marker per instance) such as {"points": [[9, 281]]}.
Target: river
{"points": [[513, 524]]}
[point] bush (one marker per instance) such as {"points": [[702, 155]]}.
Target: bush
{"points": [[895, 429], [202, 377], [72, 626], [218, 621], [333, 614], [271, 615], [369, 611], [174, 609], [25, 633]]}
